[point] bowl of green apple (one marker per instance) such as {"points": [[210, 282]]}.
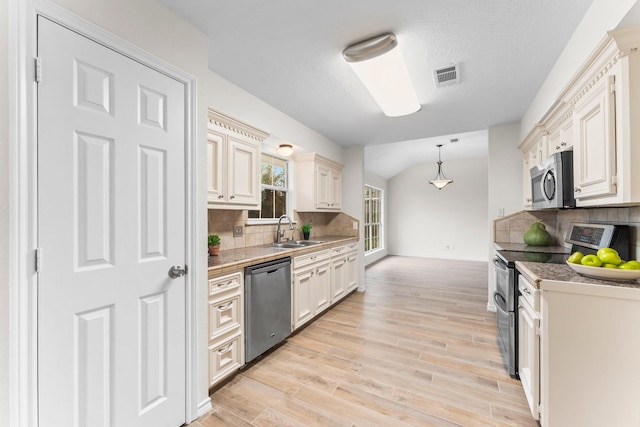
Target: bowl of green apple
{"points": [[605, 264]]}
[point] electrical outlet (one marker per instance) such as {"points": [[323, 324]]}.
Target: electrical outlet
{"points": [[355, 225], [237, 231]]}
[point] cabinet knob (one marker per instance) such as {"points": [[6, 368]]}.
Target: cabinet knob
{"points": [[563, 144], [577, 190], [221, 196], [557, 147], [232, 197]]}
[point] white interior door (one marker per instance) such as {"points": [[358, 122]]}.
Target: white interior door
{"points": [[111, 223]]}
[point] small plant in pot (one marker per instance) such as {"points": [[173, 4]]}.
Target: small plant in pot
{"points": [[214, 244], [306, 231]]}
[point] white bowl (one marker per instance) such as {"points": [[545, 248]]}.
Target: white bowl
{"points": [[605, 273]]}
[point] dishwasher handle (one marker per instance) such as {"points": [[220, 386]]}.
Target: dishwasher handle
{"points": [[269, 266]]}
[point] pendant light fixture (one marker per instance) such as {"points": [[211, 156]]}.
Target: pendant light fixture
{"points": [[379, 64], [440, 181]]}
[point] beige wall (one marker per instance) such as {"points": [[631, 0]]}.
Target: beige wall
{"points": [[4, 216]]}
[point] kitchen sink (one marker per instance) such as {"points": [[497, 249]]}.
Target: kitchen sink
{"points": [[295, 244]]}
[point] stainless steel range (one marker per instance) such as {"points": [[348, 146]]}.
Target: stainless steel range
{"points": [[586, 238]]}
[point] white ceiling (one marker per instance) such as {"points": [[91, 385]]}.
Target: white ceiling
{"points": [[289, 54]]}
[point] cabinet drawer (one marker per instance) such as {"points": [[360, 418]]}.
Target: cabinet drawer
{"points": [[224, 358], [352, 247], [225, 315], [301, 261], [529, 293], [340, 250], [229, 282]]}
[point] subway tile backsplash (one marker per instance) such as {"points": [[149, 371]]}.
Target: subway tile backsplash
{"points": [[511, 229]]}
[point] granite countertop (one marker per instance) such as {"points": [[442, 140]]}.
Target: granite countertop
{"points": [[539, 272], [522, 247], [234, 259]]}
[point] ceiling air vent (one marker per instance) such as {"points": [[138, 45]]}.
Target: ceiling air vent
{"points": [[447, 75]]}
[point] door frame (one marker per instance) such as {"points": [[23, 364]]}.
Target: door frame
{"points": [[23, 202]]}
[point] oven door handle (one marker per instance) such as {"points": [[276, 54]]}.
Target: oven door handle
{"points": [[501, 303], [499, 264]]}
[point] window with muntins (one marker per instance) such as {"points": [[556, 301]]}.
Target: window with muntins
{"points": [[275, 188], [372, 218]]}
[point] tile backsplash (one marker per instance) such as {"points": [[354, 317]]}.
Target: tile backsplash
{"points": [[510, 229], [222, 221]]}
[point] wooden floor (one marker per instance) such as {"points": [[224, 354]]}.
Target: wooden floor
{"points": [[418, 348]]}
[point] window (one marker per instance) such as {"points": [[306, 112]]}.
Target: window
{"points": [[275, 188], [372, 218]]}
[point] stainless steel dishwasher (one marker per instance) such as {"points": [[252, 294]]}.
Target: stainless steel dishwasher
{"points": [[267, 311]]}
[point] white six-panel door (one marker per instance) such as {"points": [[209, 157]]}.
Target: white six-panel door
{"points": [[111, 223]]}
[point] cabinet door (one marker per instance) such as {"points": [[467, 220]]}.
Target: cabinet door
{"points": [[244, 172], [338, 278], [216, 167], [529, 355], [594, 146], [323, 187], [322, 286], [303, 289], [336, 190], [351, 272]]}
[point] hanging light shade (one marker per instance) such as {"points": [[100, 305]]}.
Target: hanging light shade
{"points": [[440, 181]]}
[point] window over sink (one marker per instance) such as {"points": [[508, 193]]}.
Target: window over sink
{"points": [[274, 200]]}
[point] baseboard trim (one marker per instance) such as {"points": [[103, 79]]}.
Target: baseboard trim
{"points": [[204, 407], [491, 307]]}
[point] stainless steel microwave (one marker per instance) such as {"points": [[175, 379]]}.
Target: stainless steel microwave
{"points": [[552, 182]]}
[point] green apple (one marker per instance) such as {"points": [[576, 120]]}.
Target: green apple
{"points": [[609, 256], [609, 266], [630, 265], [575, 258], [591, 261]]}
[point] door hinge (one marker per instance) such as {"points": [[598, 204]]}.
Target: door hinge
{"points": [[38, 62], [614, 180], [539, 409], [612, 84], [38, 259], [538, 332]]}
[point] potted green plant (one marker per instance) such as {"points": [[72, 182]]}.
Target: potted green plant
{"points": [[306, 230], [214, 244]]}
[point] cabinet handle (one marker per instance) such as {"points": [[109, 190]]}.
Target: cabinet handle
{"points": [[577, 190], [224, 285], [232, 197], [225, 349], [221, 196], [563, 144], [528, 200], [312, 258], [557, 147], [526, 291], [224, 307]]}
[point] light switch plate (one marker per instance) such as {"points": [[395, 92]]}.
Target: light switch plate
{"points": [[237, 231]]}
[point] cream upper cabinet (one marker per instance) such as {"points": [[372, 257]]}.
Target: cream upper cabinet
{"points": [[596, 115], [534, 149], [233, 163], [318, 184], [594, 166]]}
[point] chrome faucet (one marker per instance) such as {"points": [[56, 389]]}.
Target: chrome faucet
{"points": [[279, 233]]}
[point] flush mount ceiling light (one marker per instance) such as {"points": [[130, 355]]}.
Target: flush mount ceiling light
{"points": [[380, 66], [440, 181], [285, 150]]}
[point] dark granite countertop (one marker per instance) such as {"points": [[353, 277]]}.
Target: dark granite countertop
{"points": [[521, 247], [539, 272], [235, 259]]}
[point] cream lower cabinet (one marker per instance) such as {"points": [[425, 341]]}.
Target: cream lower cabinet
{"points": [[529, 344], [344, 271], [226, 326], [352, 267], [311, 286]]}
